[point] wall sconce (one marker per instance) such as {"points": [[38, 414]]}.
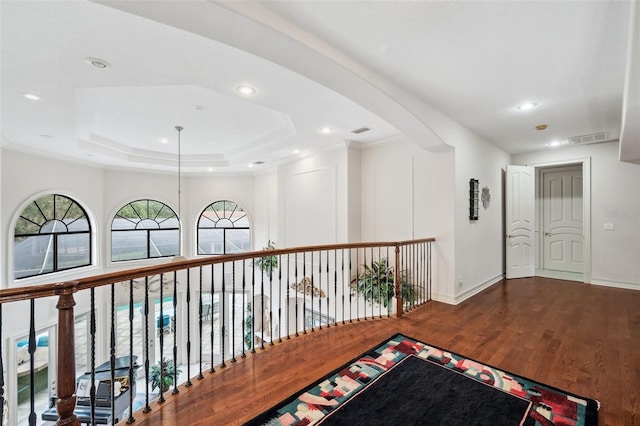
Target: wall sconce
{"points": [[474, 199]]}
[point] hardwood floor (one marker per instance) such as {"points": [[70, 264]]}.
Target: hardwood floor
{"points": [[581, 338]]}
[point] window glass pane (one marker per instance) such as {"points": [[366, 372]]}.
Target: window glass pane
{"points": [[23, 226], [53, 226], [139, 209], [51, 214], [129, 212], [73, 250], [207, 219], [236, 240], [160, 211], [123, 330], [62, 207], [33, 255], [159, 224], [80, 224], [128, 245], [170, 223], [81, 326], [240, 222], [224, 223], [210, 241], [43, 207], [32, 214], [147, 224], [124, 223], [164, 243], [227, 217]]}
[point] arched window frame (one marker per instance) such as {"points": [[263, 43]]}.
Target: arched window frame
{"points": [[63, 222], [150, 219], [233, 220]]}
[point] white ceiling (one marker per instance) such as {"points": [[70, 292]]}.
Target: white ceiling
{"points": [[391, 66]]}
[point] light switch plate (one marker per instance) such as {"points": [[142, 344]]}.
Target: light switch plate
{"points": [[608, 226]]}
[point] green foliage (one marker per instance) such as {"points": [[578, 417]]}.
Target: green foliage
{"points": [[48, 208], [267, 263], [146, 209], [248, 327], [377, 284], [167, 376]]}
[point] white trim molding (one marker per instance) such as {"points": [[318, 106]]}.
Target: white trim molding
{"points": [[617, 284], [455, 300]]}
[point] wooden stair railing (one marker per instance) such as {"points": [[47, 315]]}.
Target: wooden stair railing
{"points": [[413, 256]]}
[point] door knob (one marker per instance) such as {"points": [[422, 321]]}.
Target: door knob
{"points": [[547, 234]]}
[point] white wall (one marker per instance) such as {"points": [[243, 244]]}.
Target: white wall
{"points": [[2, 228], [24, 177], [354, 165], [480, 243], [479, 246], [200, 191], [407, 193], [265, 210], [312, 200], [615, 198], [101, 193]]}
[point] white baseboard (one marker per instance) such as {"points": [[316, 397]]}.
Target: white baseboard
{"points": [[617, 284], [454, 300]]}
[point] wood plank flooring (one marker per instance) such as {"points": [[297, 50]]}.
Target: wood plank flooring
{"points": [[581, 338]]}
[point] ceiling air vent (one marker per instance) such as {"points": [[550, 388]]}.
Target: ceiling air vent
{"points": [[360, 130], [592, 138]]}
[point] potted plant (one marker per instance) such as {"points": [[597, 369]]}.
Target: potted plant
{"points": [[267, 263], [248, 334], [376, 284], [168, 371]]}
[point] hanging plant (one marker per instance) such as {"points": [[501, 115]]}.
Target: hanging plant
{"points": [[377, 284], [267, 263]]}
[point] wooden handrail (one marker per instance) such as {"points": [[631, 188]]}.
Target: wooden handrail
{"points": [[66, 380], [56, 289]]}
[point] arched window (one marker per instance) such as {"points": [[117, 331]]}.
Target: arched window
{"points": [[223, 227], [52, 234], [144, 229]]}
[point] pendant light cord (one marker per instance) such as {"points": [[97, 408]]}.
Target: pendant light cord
{"points": [[179, 129]]}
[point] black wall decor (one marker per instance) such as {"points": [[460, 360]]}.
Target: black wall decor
{"points": [[474, 199]]}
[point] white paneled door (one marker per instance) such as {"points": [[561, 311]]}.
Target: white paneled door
{"points": [[562, 220], [520, 222]]}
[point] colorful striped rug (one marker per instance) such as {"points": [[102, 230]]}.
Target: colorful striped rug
{"points": [[403, 381]]}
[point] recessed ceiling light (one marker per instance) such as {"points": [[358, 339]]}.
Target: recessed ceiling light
{"points": [[527, 106], [326, 130], [98, 63], [556, 143], [163, 140], [246, 90], [32, 97], [296, 151], [210, 169], [250, 165]]}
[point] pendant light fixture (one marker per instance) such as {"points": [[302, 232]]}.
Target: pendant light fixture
{"points": [[179, 256]]}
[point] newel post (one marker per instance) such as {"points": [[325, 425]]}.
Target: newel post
{"points": [[396, 280], [66, 381]]}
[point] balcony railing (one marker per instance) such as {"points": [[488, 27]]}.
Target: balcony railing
{"points": [[194, 316]]}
